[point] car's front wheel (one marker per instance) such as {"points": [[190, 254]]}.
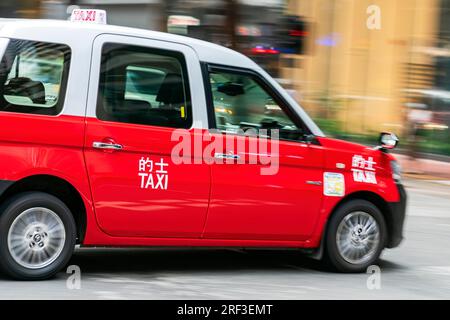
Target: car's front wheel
{"points": [[37, 236], [356, 236]]}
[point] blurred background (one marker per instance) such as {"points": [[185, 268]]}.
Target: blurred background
{"points": [[358, 67]]}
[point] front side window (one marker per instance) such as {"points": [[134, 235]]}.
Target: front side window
{"points": [[143, 86], [242, 102], [33, 77]]}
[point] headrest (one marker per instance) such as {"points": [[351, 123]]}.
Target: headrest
{"points": [[26, 87], [171, 90], [134, 106]]}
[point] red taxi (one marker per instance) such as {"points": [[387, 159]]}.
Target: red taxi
{"points": [[112, 136]]}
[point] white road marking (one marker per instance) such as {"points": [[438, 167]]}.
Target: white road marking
{"points": [[444, 182], [437, 270], [427, 192], [109, 295]]}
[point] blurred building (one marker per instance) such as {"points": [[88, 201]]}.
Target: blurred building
{"points": [[147, 14], [358, 75], [20, 8]]}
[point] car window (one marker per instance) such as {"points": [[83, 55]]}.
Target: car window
{"points": [[143, 83], [241, 102], [33, 77], [143, 86]]}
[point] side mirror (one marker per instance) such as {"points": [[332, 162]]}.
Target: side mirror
{"points": [[388, 141]]}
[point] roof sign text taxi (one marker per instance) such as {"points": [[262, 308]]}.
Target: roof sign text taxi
{"points": [[89, 15]]}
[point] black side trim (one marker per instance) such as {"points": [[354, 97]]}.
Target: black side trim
{"points": [[397, 217], [208, 96], [5, 184]]}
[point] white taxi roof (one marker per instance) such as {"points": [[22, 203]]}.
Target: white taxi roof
{"points": [[206, 51]]}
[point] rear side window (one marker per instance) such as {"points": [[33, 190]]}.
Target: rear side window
{"points": [[33, 77], [143, 86]]}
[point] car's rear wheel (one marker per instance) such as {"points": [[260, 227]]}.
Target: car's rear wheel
{"points": [[37, 236], [356, 236]]}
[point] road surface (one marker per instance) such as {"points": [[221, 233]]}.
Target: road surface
{"points": [[418, 269]]}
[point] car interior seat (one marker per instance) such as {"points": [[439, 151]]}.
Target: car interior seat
{"points": [[25, 87]]}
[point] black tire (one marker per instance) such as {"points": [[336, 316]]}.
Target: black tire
{"points": [[10, 210], [332, 254]]}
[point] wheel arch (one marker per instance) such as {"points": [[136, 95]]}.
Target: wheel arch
{"points": [[369, 196], [58, 187]]}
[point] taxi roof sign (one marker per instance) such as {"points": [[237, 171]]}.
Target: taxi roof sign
{"points": [[89, 15]]}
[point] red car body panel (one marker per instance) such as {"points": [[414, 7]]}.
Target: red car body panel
{"points": [[123, 208], [43, 145], [32, 145], [246, 204], [206, 205], [338, 151]]}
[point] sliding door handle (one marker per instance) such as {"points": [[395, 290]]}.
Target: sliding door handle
{"points": [[226, 156], [106, 145]]}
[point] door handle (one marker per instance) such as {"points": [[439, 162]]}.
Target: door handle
{"points": [[226, 156], [106, 145], [314, 183]]}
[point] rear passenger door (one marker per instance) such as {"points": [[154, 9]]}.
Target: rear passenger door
{"points": [[141, 92]]}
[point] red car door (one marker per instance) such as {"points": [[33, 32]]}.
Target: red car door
{"points": [[143, 96], [280, 202]]}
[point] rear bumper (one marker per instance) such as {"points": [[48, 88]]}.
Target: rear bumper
{"points": [[397, 218]]}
